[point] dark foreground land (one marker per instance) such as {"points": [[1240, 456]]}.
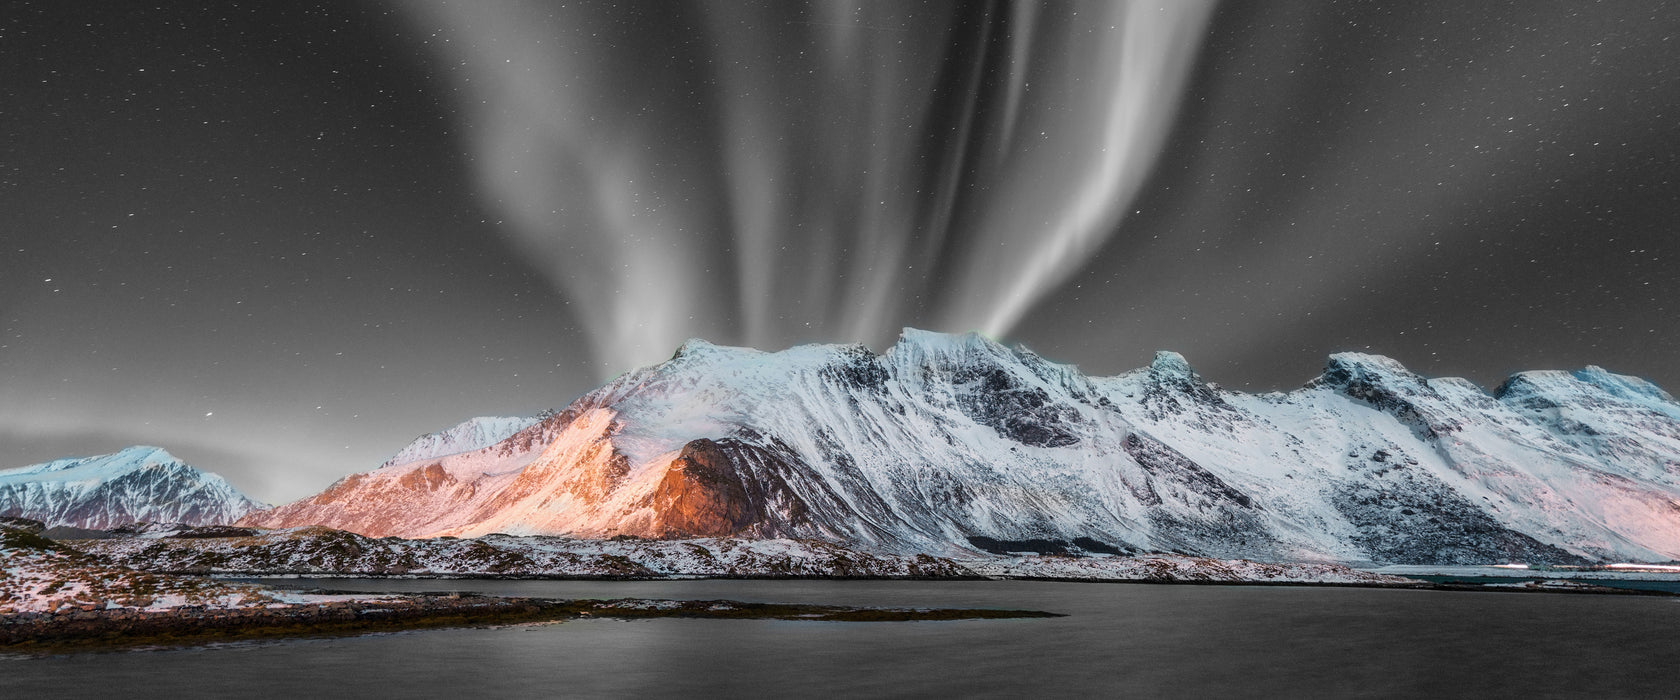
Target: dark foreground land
{"points": [[110, 630]]}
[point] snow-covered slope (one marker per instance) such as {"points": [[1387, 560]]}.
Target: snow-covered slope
{"points": [[952, 443], [136, 484], [474, 434]]}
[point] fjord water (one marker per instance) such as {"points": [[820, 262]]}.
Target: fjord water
{"points": [[1117, 639]]}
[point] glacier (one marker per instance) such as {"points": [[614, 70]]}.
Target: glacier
{"points": [[953, 444]]}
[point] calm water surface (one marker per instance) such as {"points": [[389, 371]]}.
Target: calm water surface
{"points": [[1118, 640]]}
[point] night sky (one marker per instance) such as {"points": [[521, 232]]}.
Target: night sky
{"points": [[281, 239]]}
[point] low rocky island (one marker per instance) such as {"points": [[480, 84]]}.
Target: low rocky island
{"points": [[82, 629]]}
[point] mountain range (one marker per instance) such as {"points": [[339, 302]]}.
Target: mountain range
{"points": [[953, 443]]}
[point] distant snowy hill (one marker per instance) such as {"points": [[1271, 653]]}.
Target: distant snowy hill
{"points": [[473, 434], [951, 443], [136, 484]]}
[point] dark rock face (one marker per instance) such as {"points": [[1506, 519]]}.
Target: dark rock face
{"points": [[548, 427], [1079, 545], [1522, 392], [857, 368], [1174, 388], [428, 478], [1222, 520], [1408, 516], [1174, 470], [774, 484], [1389, 389], [702, 495], [995, 398], [732, 486]]}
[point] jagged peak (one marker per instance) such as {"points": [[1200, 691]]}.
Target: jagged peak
{"points": [[1169, 363], [1531, 382], [693, 346], [1168, 374], [919, 347], [1368, 363], [916, 337], [1388, 386], [1345, 369]]}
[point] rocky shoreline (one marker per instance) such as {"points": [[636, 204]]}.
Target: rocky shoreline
{"points": [[85, 629], [129, 592], [327, 552]]}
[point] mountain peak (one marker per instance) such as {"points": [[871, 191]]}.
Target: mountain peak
{"points": [[917, 347], [1621, 385], [1167, 362], [693, 346], [936, 339], [1388, 386], [1367, 364], [138, 483], [701, 349], [1354, 372], [1539, 389], [122, 461], [146, 454]]}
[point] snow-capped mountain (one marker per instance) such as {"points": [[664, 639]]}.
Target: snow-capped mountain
{"points": [[473, 434], [134, 485], [949, 443]]}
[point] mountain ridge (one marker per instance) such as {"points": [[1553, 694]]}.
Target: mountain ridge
{"points": [[471, 434], [137, 484], [946, 438]]}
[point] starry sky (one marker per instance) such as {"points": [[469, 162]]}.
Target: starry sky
{"points": [[281, 239]]}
